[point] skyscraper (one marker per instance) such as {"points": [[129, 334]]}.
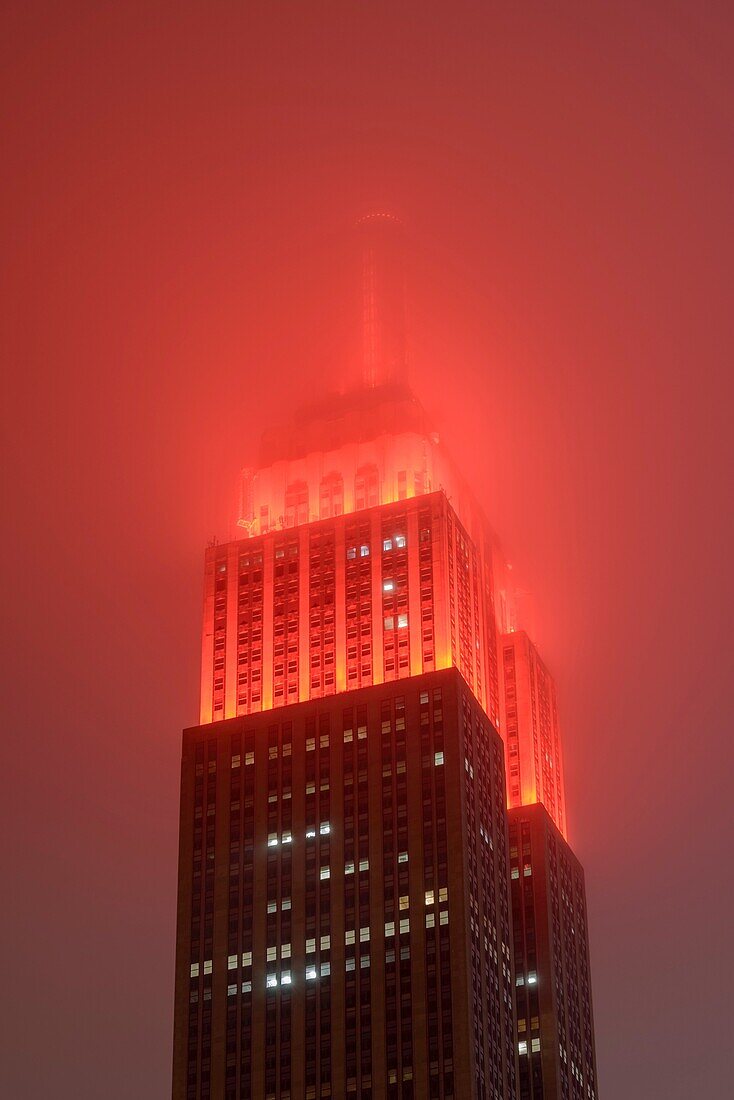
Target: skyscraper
{"points": [[344, 915]]}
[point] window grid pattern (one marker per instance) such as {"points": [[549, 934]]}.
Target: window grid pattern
{"points": [[435, 881], [285, 622], [398, 991], [202, 924], [322, 611], [358, 974], [249, 632], [396, 635], [358, 600]]}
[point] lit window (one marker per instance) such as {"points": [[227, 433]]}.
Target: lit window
{"points": [[402, 857], [438, 758], [272, 954], [325, 942], [287, 838], [364, 935], [272, 981], [352, 552], [194, 970], [389, 622], [520, 980], [236, 760], [400, 542], [535, 1045], [402, 621], [286, 903], [364, 551], [310, 973], [522, 1047], [532, 977], [443, 893], [443, 917], [324, 828], [232, 962], [390, 928], [364, 865], [247, 958], [527, 870], [247, 987], [388, 586], [404, 901], [232, 990], [515, 873], [364, 961], [249, 758], [404, 926], [272, 907], [207, 966], [273, 840], [430, 897], [349, 868], [325, 872], [310, 946], [310, 834], [285, 977], [350, 964], [430, 920], [285, 951], [349, 937], [325, 969], [387, 544]]}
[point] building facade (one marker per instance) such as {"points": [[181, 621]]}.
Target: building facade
{"points": [[367, 597], [531, 729], [557, 1059], [344, 907]]}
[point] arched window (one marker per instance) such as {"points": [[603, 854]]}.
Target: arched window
{"points": [[296, 504], [366, 487], [331, 499]]}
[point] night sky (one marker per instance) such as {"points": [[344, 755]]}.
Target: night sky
{"points": [[179, 183]]}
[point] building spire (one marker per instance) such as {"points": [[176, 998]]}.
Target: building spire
{"points": [[384, 339]]}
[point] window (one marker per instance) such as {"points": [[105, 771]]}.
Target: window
{"points": [[325, 872], [296, 504], [402, 621], [438, 758], [331, 496], [386, 545]]}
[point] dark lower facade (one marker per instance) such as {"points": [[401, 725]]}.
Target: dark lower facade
{"points": [[556, 1053], [344, 914]]}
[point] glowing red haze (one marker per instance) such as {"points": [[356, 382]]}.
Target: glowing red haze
{"points": [[178, 186]]}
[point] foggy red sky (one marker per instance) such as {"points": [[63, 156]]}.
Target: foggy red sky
{"points": [[178, 185]]}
